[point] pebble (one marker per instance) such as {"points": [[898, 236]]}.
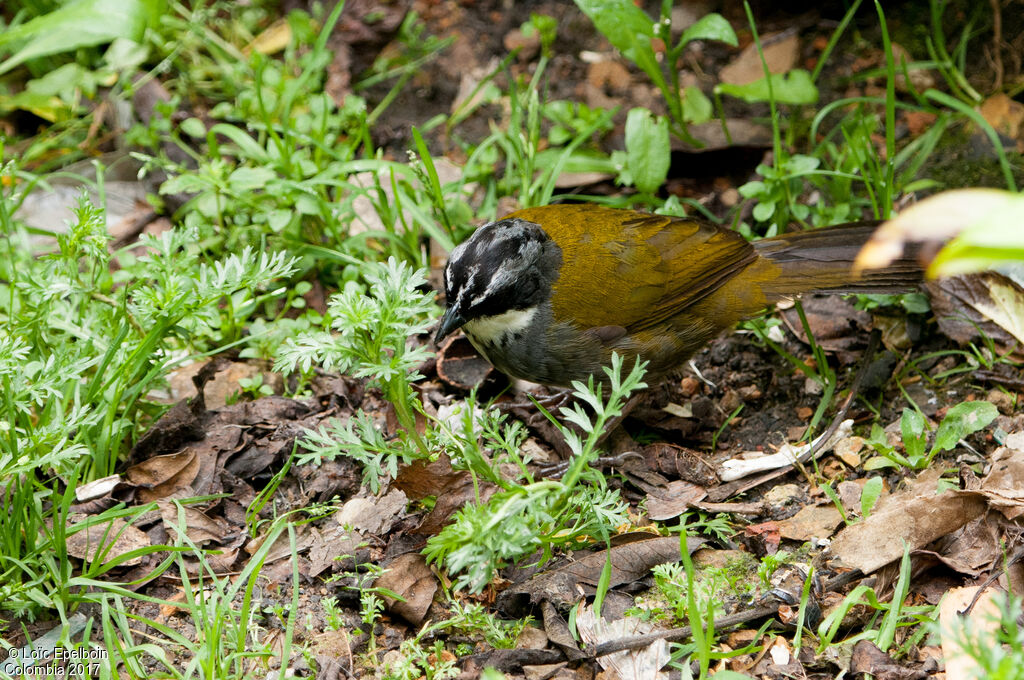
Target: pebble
{"points": [[1002, 400], [689, 386], [848, 450], [813, 387], [731, 401]]}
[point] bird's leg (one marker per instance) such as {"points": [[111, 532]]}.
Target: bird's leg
{"points": [[614, 461], [549, 402]]}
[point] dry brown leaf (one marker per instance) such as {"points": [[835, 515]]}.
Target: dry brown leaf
{"points": [[630, 562], [644, 663], [672, 501], [1004, 484], [199, 527], [98, 488], [936, 219], [780, 53], [911, 521], [409, 576], [986, 303], [985, 617], [107, 540], [813, 521], [1005, 115], [372, 515], [163, 477]]}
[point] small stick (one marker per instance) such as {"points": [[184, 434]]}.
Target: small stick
{"points": [[739, 486], [677, 634]]}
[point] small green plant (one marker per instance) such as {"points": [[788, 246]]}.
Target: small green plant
{"points": [[714, 584], [370, 339], [332, 613], [717, 526], [831, 494], [225, 612], [415, 662], [870, 494], [776, 193], [961, 420], [474, 620], [645, 162], [670, 581], [886, 618], [997, 652], [532, 164], [371, 598], [36, 42], [700, 614], [542, 515], [83, 345], [483, 441], [631, 31], [769, 564], [251, 388], [282, 162], [362, 439]]}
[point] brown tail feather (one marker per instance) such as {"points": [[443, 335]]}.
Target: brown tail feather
{"points": [[821, 260]]}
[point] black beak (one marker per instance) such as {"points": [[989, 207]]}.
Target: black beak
{"points": [[450, 322]]}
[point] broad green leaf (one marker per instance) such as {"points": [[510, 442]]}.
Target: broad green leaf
{"points": [[696, 105], [46, 106], [187, 183], [879, 463], [961, 420], [125, 54], [249, 147], [647, 149], [279, 219], [912, 429], [981, 228], [710, 27], [247, 179], [193, 127], [623, 23], [764, 211], [795, 87], [801, 164], [64, 81], [915, 303], [55, 95], [753, 188], [869, 495], [79, 24]]}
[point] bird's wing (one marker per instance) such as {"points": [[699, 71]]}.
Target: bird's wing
{"points": [[634, 270]]}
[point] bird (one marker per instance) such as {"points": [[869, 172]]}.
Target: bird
{"points": [[548, 294]]}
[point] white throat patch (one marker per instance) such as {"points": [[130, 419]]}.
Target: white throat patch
{"points": [[491, 329]]}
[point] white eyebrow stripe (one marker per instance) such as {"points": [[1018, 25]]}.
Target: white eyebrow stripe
{"points": [[470, 278], [504, 276]]}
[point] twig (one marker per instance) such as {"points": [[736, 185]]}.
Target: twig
{"points": [[740, 486], [997, 44], [677, 634], [1014, 558], [862, 371]]}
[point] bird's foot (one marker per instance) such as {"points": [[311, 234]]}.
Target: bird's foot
{"points": [[548, 402]]}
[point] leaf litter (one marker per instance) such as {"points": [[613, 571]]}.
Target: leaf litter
{"points": [[229, 454]]}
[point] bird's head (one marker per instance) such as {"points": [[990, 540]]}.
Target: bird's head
{"points": [[499, 276]]}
